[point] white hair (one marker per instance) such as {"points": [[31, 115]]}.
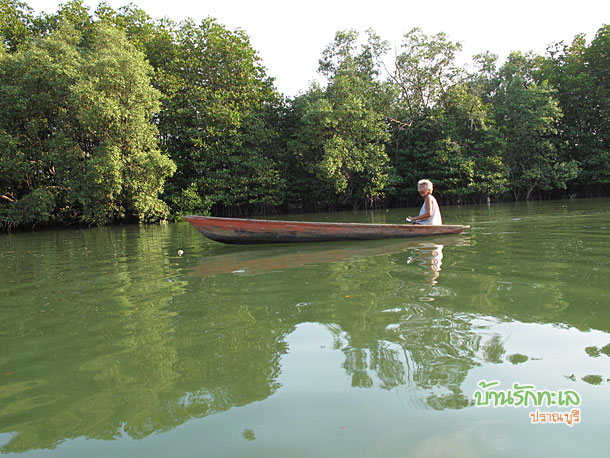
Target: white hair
{"points": [[426, 183]]}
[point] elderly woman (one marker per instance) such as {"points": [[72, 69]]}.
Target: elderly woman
{"points": [[429, 213]]}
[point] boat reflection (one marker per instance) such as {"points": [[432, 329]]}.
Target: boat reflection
{"points": [[428, 252]]}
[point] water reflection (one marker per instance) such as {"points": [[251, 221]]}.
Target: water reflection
{"points": [[109, 333], [420, 346], [430, 257], [135, 348], [252, 260]]}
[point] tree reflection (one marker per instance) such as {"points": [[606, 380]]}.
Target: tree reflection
{"points": [[418, 344], [149, 353], [118, 337]]}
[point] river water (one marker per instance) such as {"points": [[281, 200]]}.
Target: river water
{"points": [[111, 344]]}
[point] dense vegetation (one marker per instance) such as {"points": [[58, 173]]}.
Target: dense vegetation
{"points": [[111, 116]]}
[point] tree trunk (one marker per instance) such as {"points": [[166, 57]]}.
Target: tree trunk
{"points": [[529, 191]]}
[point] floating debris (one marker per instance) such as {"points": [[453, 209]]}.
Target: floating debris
{"points": [[248, 434]]}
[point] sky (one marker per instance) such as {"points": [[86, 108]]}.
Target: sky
{"points": [[290, 36]]}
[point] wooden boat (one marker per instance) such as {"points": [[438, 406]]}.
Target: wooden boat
{"points": [[237, 230]]}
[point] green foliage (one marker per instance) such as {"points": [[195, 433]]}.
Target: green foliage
{"points": [[35, 207], [527, 115], [579, 73], [442, 127], [139, 27], [73, 12], [339, 137], [342, 54], [77, 141], [219, 118], [424, 71], [99, 110], [473, 143], [16, 21]]}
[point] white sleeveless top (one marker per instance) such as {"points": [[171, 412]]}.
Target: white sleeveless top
{"points": [[436, 219]]}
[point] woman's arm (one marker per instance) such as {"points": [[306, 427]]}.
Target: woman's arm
{"points": [[428, 210]]}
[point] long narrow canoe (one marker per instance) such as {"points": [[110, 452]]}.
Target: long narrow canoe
{"points": [[237, 230]]}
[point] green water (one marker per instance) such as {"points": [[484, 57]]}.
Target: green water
{"points": [[113, 345]]}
